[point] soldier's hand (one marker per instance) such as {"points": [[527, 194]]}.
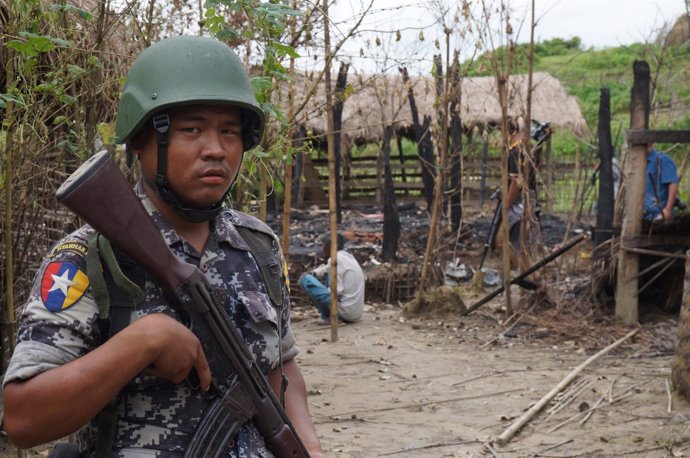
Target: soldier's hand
{"points": [[175, 349]]}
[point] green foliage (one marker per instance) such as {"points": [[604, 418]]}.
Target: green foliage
{"points": [[482, 66], [34, 44], [4, 98], [557, 46], [82, 13], [265, 25]]}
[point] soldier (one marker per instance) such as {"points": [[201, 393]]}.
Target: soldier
{"points": [[188, 113], [518, 166]]}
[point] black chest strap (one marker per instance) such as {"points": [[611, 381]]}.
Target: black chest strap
{"points": [[261, 247]]}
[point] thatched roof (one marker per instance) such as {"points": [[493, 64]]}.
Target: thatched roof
{"points": [[382, 100]]}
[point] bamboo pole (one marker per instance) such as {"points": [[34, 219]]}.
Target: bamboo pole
{"points": [[527, 272], [8, 122], [332, 210], [287, 189], [438, 184], [528, 164], [629, 263], [527, 416], [662, 254]]}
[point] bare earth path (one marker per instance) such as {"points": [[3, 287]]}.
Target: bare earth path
{"points": [[396, 387]]}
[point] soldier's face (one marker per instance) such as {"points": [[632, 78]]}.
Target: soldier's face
{"points": [[204, 152]]}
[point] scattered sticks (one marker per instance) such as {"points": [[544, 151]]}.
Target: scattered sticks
{"points": [[570, 396], [608, 394], [527, 416], [591, 411], [628, 392]]}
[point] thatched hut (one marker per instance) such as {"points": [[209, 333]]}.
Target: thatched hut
{"points": [[370, 104], [377, 101]]}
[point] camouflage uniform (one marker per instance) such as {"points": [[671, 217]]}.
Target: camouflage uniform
{"points": [[60, 323]]}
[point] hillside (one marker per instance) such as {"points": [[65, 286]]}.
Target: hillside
{"points": [[585, 71]]}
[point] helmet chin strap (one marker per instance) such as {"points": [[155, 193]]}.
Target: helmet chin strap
{"points": [[161, 123]]}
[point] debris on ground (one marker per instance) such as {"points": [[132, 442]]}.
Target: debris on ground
{"points": [[570, 309]]}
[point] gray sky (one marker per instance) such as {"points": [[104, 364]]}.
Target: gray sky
{"points": [[599, 23], [604, 23]]}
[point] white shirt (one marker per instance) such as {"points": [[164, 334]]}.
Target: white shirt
{"points": [[350, 285]]}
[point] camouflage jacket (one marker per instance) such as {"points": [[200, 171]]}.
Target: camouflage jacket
{"points": [[60, 322]]}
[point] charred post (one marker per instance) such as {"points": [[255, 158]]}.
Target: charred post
{"points": [[605, 202], [425, 146], [391, 220], [340, 84]]}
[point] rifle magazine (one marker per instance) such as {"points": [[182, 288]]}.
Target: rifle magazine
{"points": [[215, 434]]}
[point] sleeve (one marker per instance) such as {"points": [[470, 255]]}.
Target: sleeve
{"points": [[669, 172], [322, 269], [59, 322], [342, 272]]}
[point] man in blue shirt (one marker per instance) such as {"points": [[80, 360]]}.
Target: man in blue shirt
{"points": [[661, 188]]}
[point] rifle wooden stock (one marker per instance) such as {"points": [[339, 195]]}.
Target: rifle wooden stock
{"points": [[100, 194]]}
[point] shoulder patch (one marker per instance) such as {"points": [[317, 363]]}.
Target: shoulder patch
{"points": [[62, 285], [67, 247]]}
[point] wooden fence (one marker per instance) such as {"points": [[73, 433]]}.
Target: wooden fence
{"points": [[362, 182]]}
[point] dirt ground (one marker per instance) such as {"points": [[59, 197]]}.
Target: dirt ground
{"points": [[427, 388]]}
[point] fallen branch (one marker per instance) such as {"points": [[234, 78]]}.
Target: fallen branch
{"points": [[527, 272], [489, 449], [588, 411], [551, 447], [608, 394], [669, 406], [527, 416], [422, 404]]}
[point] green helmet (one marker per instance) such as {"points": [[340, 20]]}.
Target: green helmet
{"points": [[184, 70]]}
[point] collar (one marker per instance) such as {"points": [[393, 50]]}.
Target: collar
{"points": [[225, 230], [222, 226], [652, 155], [169, 234]]}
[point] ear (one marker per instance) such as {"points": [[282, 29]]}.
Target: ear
{"points": [[138, 141]]}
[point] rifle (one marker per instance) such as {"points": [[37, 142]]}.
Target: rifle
{"points": [[491, 242], [493, 229], [243, 393]]}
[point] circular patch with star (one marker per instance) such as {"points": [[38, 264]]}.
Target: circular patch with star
{"points": [[63, 284]]}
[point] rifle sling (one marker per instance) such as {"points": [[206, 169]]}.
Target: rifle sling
{"points": [[116, 296], [260, 245]]}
